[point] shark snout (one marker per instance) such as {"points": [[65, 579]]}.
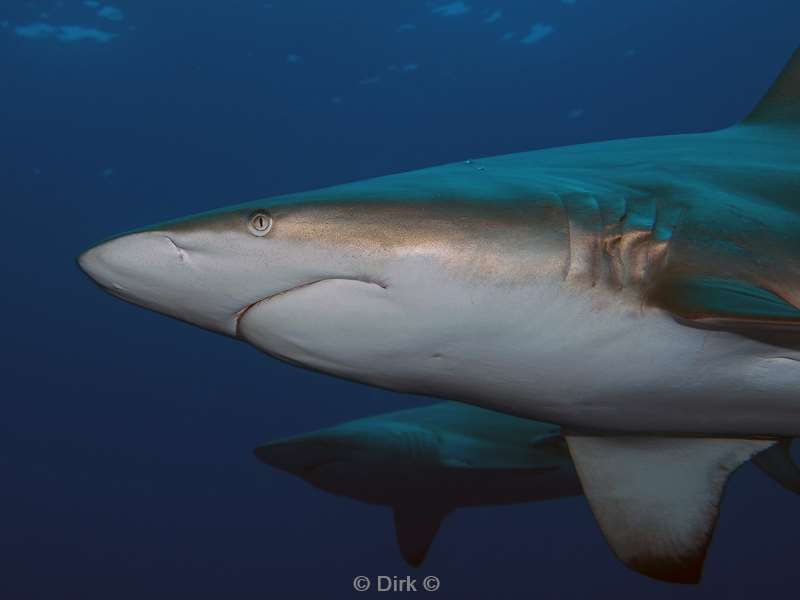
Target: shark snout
{"points": [[305, 454], [153, 269], [299, 457], [131, 261]]}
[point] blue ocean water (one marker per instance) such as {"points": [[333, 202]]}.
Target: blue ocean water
{"points": [[126, 437]]}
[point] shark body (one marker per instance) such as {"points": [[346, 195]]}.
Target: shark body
{"points": [[425, 463], [642, 293]]}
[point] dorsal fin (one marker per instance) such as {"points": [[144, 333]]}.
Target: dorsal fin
{"points": [[781, 105]]}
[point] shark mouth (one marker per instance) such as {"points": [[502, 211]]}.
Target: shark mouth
{"points": [[237, 318]]}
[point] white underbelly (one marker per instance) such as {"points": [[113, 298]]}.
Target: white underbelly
{"points": [[636, 371], [540, 352]]}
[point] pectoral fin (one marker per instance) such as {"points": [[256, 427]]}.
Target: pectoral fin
{"points": [[777, 462], [730, 305], [416, 527], [724, 303], [656, 499]]}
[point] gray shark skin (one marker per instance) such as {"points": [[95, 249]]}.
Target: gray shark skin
{"points": [[424, 463], [642, 293]]}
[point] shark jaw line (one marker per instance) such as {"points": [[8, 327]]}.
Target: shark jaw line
{"points": [[239, 315]]}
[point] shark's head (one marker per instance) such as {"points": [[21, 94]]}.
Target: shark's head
{"points": [[360, 280], [210, 269], [354, 452]]}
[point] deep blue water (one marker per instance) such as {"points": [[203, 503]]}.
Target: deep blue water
{"points": [[126, 437]]}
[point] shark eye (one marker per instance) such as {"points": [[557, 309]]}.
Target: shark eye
{"points": [[259, 223]]}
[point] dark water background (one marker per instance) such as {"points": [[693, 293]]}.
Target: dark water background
{"points": [[126, 437]]}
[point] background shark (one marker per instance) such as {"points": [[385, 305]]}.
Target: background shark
{"points": [[426, 462], [645, 292]]}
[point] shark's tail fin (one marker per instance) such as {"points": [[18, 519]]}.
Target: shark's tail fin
{"points": [[781, 105]]}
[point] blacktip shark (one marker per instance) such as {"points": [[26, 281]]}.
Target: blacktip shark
{"points": [[424, 463], [642, 293]]}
